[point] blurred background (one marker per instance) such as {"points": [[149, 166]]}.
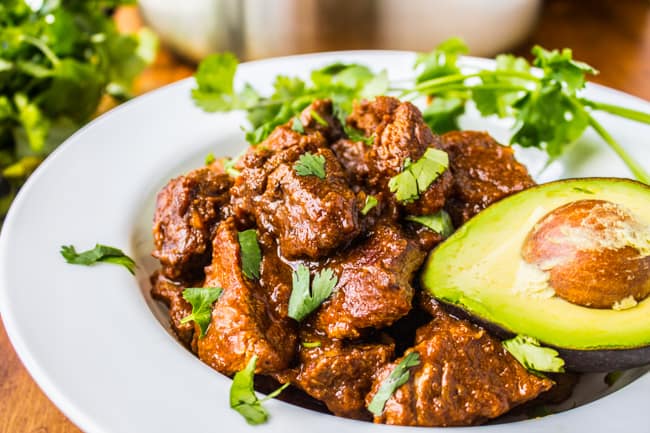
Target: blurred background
{"points": [[611, 35]]}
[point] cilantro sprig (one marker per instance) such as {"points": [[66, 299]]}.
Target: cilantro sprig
{"points": [[546, 104], [100, 253], [398, 377], [439, 222], [309, 164], [303, 301], [57, 60], [250, 253], [534, 356], [416, 177], [243, 398], [201, 300]]}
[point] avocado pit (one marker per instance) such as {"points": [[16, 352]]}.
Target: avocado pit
{"points": [[596, 254]]}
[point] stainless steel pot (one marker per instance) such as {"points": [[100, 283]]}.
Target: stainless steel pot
{"points": [[265, 28]]}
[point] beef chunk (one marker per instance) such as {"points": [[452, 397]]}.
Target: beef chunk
{"points": [[309, 216], [243, 322], [187, 211], [374, 283], [339, 373], [171, 294], [464, 377], [484, 172], [400, 134]]}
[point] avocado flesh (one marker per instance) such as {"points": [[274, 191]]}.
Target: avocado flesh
{"points": [[476, 268]]}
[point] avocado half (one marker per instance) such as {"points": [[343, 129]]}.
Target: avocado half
{"points": [[478, 270]]}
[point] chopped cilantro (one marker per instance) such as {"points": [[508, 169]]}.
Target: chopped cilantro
{"points": [[533, 356], [398, 377], [201, 300], [301, 301], [297, 125], [416, 177], [317, 117], [209, 158], [311, 344], [251, 256], [439, 222], [243, 398], [101, 253], [371, 202], [310, 165]]}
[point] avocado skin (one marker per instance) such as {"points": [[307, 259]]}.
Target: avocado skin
{"points": [[579, 361], [589, 358]]}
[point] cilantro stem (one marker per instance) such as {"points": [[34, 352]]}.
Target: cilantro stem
{"points": [[486, 86], [424, 86], [42, 46], [636, 169], [627, 113]]}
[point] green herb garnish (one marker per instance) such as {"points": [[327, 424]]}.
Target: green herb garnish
{"points": [[101, 253], [317, 117], [251, 255], [57, 60], [371, 202], [439, 222], [243, 398], [297, 126], [546, 107], [209, 158], [201, 300], [533, 356], [416, 177], [311, 344], [398, 377], [310, 165], [303, 301]]}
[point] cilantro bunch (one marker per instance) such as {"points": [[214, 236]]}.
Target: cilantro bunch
{"points": [[548, 110], [57, 59]]}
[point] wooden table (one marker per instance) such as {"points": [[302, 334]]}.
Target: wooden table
{"points": [[613, 36]]}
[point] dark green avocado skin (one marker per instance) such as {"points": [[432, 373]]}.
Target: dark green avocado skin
{"points": [[582, 361]]}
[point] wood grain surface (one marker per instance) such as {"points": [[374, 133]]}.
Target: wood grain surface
{"points": [[613, 36]]}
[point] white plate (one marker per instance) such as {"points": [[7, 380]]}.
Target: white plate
{"points": [[87, 334]]}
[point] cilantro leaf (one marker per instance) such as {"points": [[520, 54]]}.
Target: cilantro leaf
{"points": [[309, 164], [214, 78], [560, 67], [441, 61], [101, 253], [371, 202], [398, 377], [243, 398], [439, 222], [301, 301], [443, 113], [201, 299], [416, 177], [297, 126], [533, 356], [251, 256], [209, 158]]}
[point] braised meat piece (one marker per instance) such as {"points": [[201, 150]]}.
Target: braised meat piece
{"points": [[339, 373], [400, 135], [484, 172], [464, 377], [187, 211], [309, 216], [244, 322], [171, 294], [374, 283]]}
